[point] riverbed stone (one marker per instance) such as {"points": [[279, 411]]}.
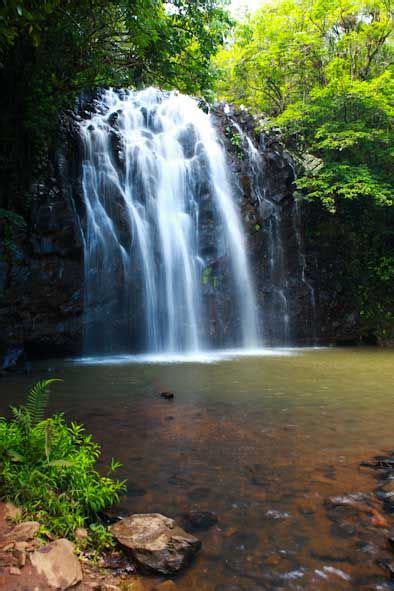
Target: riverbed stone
{"points": [[57, 563], [198, 520], [155, 542]]}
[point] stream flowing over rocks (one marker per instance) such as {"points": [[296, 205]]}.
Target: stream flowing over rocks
{"points": [[45, 309]]}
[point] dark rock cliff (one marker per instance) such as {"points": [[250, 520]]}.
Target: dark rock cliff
{"points": [[41, 276]]}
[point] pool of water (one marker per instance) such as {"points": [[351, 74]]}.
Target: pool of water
{"points": [[262, 440]]}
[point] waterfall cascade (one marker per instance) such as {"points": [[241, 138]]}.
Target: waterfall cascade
{"points": [[155, 182], [279, 308], [286, 271], [283, 276]]}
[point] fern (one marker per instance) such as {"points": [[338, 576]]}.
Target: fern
{"points": [[61, 463], [22, 418], [49, 467], [37, 401]]}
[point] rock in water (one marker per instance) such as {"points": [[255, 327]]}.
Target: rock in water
{"points": [[198, 520], [155, 542], [58, 564], [167, 395]]}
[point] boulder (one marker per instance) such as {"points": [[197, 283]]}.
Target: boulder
{"points": [[14, 359], [23, 532], [155, 542], [57, 563]]}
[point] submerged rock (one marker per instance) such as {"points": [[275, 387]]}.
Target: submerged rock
{"points": [[167, 395], [155, 542], [14, 360], [198, 520]]}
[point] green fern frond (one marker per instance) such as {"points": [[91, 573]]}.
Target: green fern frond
{"points": [[61, 463], [22, 418], [37, 400]]}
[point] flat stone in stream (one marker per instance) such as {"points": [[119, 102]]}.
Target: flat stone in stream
{"points": [[167, 395], [198, 520], [155, 542]]}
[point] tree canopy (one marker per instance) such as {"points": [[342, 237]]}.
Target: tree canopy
{"points": [[321, 70], [52, 50]]}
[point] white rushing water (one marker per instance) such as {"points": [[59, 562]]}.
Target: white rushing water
{"points": [[277, 268], [151, 160]]}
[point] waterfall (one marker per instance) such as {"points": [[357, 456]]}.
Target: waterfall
{"points": [[279, 314], [162, 231]]}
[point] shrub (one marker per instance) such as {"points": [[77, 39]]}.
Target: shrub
{"points": [[48, 467]]}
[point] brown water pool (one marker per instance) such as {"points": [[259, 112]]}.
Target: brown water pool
{"points": [[261, 440]]}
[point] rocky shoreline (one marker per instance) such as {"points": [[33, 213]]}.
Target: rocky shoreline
{"points": [[152, 544], [384, 492], [146, 544]]}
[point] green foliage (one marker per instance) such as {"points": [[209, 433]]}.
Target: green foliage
{"points": [[48, 467], [37, 401], [321, 70], [235, 140], [60, 49], [52, 51], [209, 277]]}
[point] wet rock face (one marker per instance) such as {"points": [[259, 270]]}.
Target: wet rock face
{"points": [[155, 543], [42, 290]]}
